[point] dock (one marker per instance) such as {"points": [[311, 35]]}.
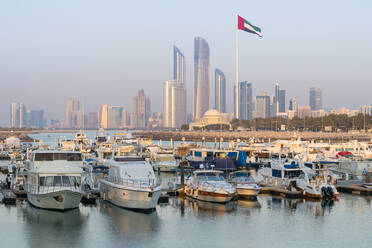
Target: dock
{"points": [[354, 189]]}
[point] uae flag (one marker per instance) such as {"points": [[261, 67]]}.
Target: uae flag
{"points": [[246, 26]]}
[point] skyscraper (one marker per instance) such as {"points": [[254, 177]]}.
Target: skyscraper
{"points": [[281, 101], [114, 115], [133, 111], [92, 120], [104, 116], [74, 114], [174, 93], [174, 104], [22, 115], [219, 91], [179, 66], [201, 77], [262, 105], [14, 114], [245, 100], [315, 98], [293, 104]]}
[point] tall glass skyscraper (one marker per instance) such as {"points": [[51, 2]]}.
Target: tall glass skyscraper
{"points": [[201, 77], [179, 66], [315, 98], [219, 91], [174, 93], [245, 100], [282, 101]]}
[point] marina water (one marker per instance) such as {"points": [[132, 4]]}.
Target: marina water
{"points": [[267, 222]]}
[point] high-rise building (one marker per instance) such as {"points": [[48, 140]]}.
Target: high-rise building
{"points": [[179, 66], [74, 114], [245, 100], [315, 98], [36, 119], [124, 118], [293, 104], [174, 104], [92, 120], [103, 114], [114, 114], [22, 115], [281, 101], [14, 114], [133, 111], [141, 109], [174, 93], [219, 91], [201, 77], [262, 106]]}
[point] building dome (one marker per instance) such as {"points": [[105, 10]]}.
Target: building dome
{"points": [[212, 112]]}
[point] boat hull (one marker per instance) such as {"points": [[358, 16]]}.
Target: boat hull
{"points": [[143, 200], [59, 200], [247, 192], [209, 196]]}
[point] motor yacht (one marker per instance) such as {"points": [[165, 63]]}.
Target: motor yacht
{"points": [[54, 179], [295, 176], [244, 183], [210, 186], [131, 183]]}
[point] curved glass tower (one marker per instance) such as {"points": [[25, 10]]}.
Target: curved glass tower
{"points": [[219, 91], [201, 77], [179, 66]]}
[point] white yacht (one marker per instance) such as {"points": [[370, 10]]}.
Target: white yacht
{"points": [[294, 176], [244, 183], [209, 185], [131, 183], [54, 179]]}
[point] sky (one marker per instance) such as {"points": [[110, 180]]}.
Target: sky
{"points": [[105, 51]]}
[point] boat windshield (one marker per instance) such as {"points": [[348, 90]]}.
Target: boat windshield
{"points": [[57, 156], [210, 176], [60, 181]]}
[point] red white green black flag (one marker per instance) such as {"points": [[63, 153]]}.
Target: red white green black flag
{"points": [[246, 26]]}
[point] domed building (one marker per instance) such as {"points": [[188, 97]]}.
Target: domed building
{"points": [[211, 117]]}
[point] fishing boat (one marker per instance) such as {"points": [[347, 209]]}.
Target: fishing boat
{"points": [[54, 179], [244, 183], [210, 186], [131, 183]]}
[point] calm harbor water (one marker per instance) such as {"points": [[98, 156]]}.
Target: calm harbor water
{"points": [[267, 222]]}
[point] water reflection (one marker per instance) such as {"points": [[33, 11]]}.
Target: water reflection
{"points": [[128, 221], [45, 228]]}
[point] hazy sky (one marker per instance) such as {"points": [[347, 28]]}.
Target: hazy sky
{"points": [[104, 51]]}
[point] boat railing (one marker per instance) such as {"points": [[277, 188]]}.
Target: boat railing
{"points": [[37, 189], [138, 183]]}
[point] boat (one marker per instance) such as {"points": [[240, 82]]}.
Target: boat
{"points": [[244, 183], [224, 160], [293, 175], [131, 183], [210, 186], [164, 162], [54, 179]]}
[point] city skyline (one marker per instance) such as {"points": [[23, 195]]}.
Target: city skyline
{"points": [[108, 66]]}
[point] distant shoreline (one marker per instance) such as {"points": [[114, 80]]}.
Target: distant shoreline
{"points": [[263, 136]]}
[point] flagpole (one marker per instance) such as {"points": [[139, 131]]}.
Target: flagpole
{"points": [[236, 70]]}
